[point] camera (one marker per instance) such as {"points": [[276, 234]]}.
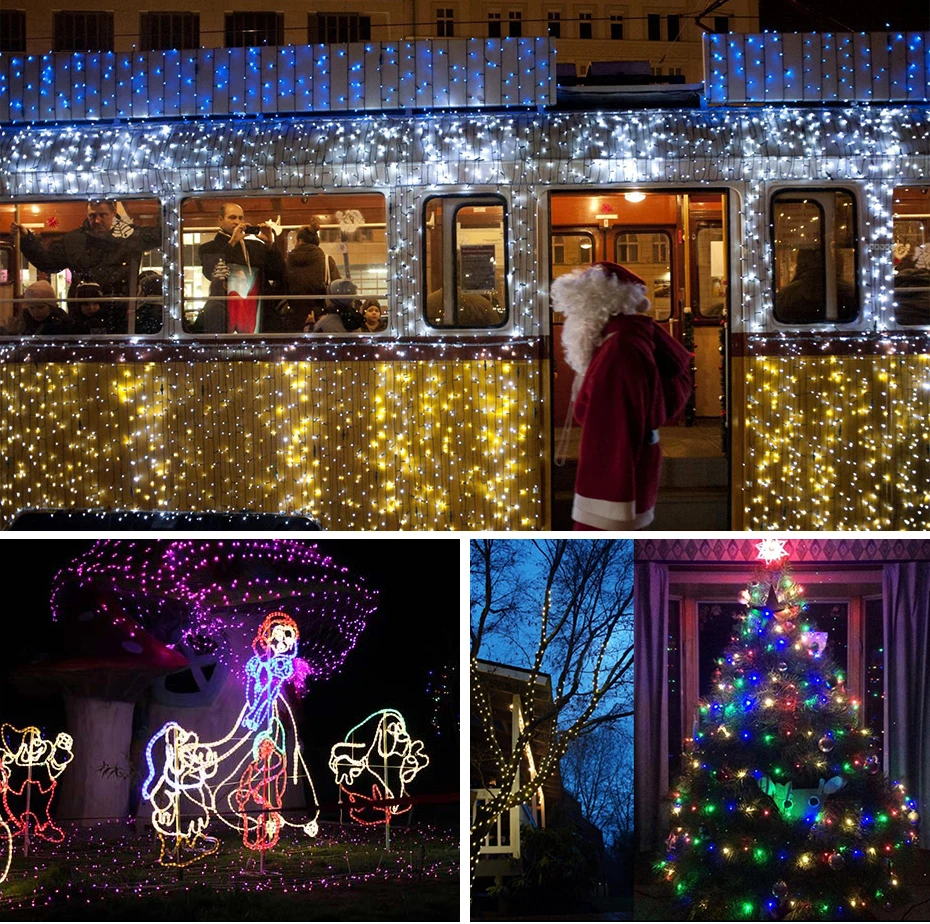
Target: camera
{"points": [[252, 229]]}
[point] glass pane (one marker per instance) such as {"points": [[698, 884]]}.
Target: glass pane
{"points": [[675, 743], [716, 629], [709, 299], [873, 699], [284, 286], [648, 254], [912, 255], [100, 263], [815, 258], [465, 277]]}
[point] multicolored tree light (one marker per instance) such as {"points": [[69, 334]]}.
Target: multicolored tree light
{"points": [[377, 753], [181, 785], [783, 811], [30, 765]]}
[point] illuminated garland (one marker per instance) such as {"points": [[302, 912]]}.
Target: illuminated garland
{"points": [[180, 783], [37, 762], [385, 758], [783, 810]]}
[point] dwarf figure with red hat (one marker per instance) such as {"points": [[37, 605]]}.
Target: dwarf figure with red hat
{"points": [[631, 377]]}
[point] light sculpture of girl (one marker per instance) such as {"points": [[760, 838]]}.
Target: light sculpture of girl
{"points": [[257, 744]]}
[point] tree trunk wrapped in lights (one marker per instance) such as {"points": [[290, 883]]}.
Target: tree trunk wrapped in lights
{"points": [[783, 812]]}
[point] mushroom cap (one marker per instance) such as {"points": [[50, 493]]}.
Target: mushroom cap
{"points": [[206, 586], [99, 651]]}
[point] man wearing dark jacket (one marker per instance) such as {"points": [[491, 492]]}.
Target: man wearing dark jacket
{"points": [[106, 250], [255, 267]]}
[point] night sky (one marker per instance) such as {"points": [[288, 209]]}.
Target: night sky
{"points": [[414, 630], [842, 15]]}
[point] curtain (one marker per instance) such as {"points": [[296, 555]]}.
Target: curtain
{"points": [[906, 610], [651, 702]]}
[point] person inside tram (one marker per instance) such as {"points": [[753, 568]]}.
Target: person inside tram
{"points": [[149, 303], [309, 272], [373, 322], [342, 303], [804, 300], [84, 310], [255, 269], [105, 250], [40, 314]]}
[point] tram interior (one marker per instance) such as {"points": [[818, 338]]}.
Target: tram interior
{"points": [[676, 242]]}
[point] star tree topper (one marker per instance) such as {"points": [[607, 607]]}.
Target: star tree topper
{"points": [[772, 552]]}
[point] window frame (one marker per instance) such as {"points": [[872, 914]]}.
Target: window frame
{"points": [[789, 193], [386, 299], [131, 301], [585, 23], [230, 28], [495, 24], [69, 18], [445, 22], [852, 587], [554, 19], [13, 23], [653, 27], [450, 260], [615, 21], [189, 29], [897, 290]]}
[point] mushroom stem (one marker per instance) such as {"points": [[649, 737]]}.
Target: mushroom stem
{"points": [[95, 787]]}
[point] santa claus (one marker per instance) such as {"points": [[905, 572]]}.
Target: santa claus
{"points": [[631, 377]]}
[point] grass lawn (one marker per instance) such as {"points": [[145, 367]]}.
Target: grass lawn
{"points": [[343, 874]]}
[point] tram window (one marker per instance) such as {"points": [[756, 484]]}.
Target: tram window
{"points": [[911, 252], [814, 256], [647, 253], [102, 261], [465, 262], [282, 287]]}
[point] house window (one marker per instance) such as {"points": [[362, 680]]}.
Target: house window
{"points": [[585, 25], [164, 31], [246, 30], [82, 30], [721, 24], [445, 24], [516, 24], [616, 27], [12, 31], [465, 261], [332, 28], [814, 250], [674, 28], [555, 24], [494, 25], [653, 27]]}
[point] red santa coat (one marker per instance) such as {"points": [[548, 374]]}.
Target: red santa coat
{"points": [[638, 378]]}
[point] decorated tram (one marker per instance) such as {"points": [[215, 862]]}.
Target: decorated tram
{"points": [[780, 215]]}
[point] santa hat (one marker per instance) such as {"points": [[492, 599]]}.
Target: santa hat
{"points": [[589, 298]]}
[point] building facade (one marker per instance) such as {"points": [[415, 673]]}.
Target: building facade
{"points": [[664, 39]]}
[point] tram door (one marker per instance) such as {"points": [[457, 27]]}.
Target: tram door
{"points": [[676, 242]]}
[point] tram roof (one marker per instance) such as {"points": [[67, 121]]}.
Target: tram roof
{"points": [[427, 75]]}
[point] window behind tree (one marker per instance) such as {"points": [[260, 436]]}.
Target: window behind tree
{"points": [[246, 30], [82, 30], [164, 31], [12, 31]]}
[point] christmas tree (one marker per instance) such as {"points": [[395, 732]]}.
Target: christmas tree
{"points": [[784, 812]]}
